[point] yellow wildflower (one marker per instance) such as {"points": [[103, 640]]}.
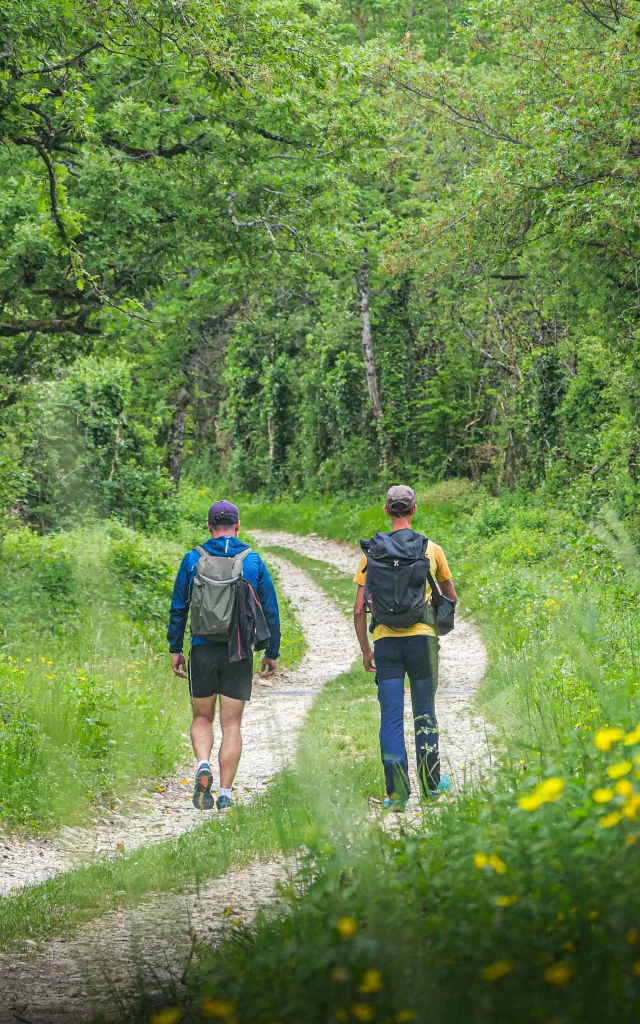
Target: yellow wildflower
{"points": [[371, 982], [593, 914], [498, 865], [363, 1012], [340, 974], [632, 936], [347, 927], [632, 737], [404, 1016], [602, 796], [605, 738], [505, 901], [219, 1008], [480, 860], [551, 788], [169, 1016], [545, 792], [630, 840], [624, 787], [610, 819], [497, 970], [342, 1015], [630, 809], [620, 768], [530, 803], [559, 974], [636, 967], [569, 946]]}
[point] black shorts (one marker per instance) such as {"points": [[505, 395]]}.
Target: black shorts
{"points": [[211, 672]]}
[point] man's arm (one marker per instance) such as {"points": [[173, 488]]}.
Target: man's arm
{"points": [[360, 623], [178, 614], [447, 588], [269, 601]]}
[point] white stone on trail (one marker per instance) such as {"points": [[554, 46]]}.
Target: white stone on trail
{"points": [[270, 726]]}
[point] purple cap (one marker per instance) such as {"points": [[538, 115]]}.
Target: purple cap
{"points": [[223, 512]]}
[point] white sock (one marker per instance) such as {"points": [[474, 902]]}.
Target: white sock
{"points": [[225, 792], [203, 764]]}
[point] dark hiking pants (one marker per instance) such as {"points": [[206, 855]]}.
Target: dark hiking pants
{"points": [[417, 657]]}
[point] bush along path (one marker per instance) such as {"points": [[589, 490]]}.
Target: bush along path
{"points": [[271, 722]]}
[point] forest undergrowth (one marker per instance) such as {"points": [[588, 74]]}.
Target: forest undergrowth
{"points": [[520, 898]]}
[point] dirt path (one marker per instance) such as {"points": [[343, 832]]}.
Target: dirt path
{"points": [[98, 970], [270, 726], [464, 749], [71, 981]]}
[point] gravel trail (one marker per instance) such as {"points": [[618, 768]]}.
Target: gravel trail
{"points": [[98, 970], [71, 981]]}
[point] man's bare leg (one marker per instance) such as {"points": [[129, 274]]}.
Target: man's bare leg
{"points": [[202, 739], [204, 709], [231, 746]]}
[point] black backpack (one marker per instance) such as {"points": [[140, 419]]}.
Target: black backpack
{"points": [[398, 571]]}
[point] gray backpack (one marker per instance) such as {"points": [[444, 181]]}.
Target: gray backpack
{"points": [[214, 590]]}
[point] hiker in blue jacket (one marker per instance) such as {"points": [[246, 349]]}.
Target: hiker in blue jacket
{"points": [[211, 670]]}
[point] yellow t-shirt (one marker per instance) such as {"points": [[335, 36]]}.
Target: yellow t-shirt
{"points": [[441, 573]]}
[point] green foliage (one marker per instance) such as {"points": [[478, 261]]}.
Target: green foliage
{"points": [[89, 456]]}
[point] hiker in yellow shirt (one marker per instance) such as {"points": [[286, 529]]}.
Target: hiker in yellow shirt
{"points": [[406, 643]]}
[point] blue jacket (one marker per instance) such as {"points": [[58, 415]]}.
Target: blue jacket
{"points": [[253, 569]]}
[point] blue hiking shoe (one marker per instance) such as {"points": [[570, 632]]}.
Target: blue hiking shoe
{"points": [[443, 786], [202, 795], [223, 803], [394, 803]]}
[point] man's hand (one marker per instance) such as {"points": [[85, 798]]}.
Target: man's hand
{"points": [[178, 664], [367, 661], [269, 667]]}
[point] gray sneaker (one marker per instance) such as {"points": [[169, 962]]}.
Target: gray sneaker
{"points": [[202, 795]]}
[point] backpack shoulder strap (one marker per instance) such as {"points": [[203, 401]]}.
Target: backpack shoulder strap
{"points": [[201, 551], [435, 589], [239, 559]]}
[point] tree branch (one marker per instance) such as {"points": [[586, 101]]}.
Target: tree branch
{"points": [[61, 65], [58, 326]]}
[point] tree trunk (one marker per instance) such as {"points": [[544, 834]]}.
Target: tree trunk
{"points": [[212, 335], [362, 279], [175, 437]]}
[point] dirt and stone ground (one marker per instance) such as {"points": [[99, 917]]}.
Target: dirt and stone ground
{"points": [[71, 980]]}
